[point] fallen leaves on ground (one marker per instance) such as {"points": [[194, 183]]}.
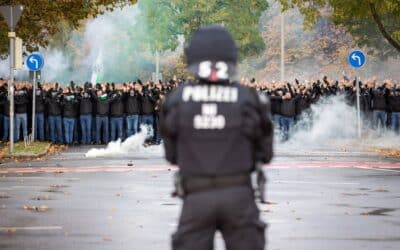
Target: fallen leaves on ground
{"points": [[10, 230], [42, 208], [4, 195], [389, 152], [381, 191], [379, 211], [59, 186], [41, 198], [56, 148], [53, 190]]}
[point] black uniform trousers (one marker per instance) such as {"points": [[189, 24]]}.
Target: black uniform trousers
{"points": [[232, 211]]}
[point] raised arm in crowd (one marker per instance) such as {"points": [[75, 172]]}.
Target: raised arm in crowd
{"points": [[100, 113]]}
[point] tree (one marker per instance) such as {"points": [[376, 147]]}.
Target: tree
{"points": [[240, 17], [42, 19], [167, 20], [368, 21], [157, 25]]}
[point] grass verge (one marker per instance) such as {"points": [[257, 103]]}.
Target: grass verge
{"points": [[33, 149]]}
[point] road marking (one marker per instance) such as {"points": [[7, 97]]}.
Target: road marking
{"points": [[22, 187], [275, 165], [49, 177], [8, 229], [334, 164], [315, 182], [381, 169]]}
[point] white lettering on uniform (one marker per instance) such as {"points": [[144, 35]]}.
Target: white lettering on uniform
{"points": [[234, 94], [204, 93], [205, 69], [187, 93], [209, 109], [209, 118], [222, 70]]}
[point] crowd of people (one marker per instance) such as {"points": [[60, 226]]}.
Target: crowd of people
{"points": [[290, 102], [100, 113], [87, 114]]}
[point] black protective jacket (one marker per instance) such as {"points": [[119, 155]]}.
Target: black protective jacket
{"points": [[288, 107], [70, 106], [379, 99], [148, 102], [365, 100], [207, 135], [21, 101], [5, 103], [117, 105], [394, 101], [85, 103], [303, 103], [132, 103], [103, 106], [276, 104], [53, 101], [40, 101]]}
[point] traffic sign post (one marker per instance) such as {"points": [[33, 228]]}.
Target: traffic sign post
{"points": [[34, 62], [11, 15], [357, 60], [34, 106]]}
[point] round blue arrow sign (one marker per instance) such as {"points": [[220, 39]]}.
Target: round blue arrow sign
{"points": [[34, 62], [357, 59]]}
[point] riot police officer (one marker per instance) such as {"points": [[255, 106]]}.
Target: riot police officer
{"points": [[216, 131]]}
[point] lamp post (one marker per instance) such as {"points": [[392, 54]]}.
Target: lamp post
{"points": [[11, 15]]}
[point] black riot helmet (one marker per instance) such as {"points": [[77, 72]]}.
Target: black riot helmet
{"points": [[212, 54]]}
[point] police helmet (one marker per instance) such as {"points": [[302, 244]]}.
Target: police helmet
{"points": [[212, 54]]}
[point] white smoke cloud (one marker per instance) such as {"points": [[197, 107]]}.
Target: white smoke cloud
{"points": [[331, 118], [333, 124], [112, 34], [56, 64], [131, 146]]}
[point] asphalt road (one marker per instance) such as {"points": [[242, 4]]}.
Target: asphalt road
{"points": [[320, 199]]}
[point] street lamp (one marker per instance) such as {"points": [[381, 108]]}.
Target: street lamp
{"points": [[11, 15]]}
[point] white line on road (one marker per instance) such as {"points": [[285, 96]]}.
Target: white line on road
{"points": [[31, 228], [22, 187], [51, 177], [381, 169], [315, 182]]}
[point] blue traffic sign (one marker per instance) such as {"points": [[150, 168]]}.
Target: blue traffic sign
{"points": [[357, 59], [34, 62]]}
